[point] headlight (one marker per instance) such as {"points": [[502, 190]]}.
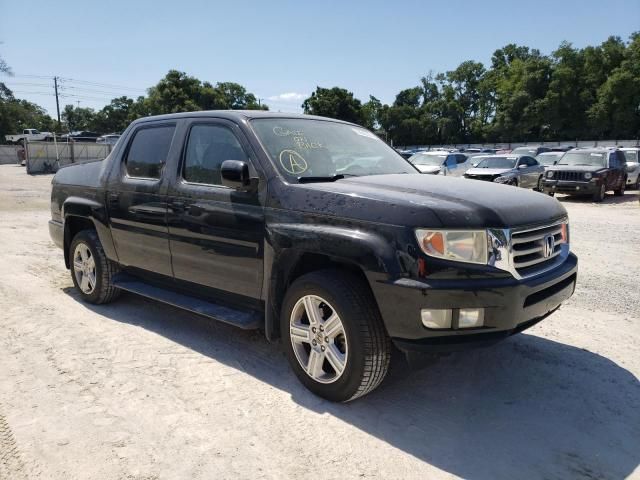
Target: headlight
{"points": [[502, 179], [588, 175], [458, 245], [550, 174]]}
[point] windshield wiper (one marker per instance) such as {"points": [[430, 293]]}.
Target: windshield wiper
{"points": [[330, 178]]}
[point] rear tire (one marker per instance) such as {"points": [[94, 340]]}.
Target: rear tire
{"points": [[620, 191], [362, 346], [91, 271]]}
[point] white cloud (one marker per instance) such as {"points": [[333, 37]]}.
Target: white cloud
{"points": [[288, 97]]}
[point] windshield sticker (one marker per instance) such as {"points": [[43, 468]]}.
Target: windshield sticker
{"points": [[363, 133], [293, 162], [303, 142], [285, 132]]}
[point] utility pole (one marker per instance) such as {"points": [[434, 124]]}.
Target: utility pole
{"points": [[55, 84]]}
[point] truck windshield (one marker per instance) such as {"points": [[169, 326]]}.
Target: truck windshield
{"points": [[427, 159], [497, 162], [302, 148], [584, 158]]}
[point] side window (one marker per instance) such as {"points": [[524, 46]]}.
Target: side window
{"points": [[532, 162], [622, 158], [208, 146], [451, 161], [461, 158], [148, 151], [613, 160]]}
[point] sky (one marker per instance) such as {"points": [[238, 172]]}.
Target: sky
{"points": [[279, 50]]}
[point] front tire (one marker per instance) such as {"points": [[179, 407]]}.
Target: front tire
{"points": [[333, 335], [620, 191], [91, 271], [599, 195]]}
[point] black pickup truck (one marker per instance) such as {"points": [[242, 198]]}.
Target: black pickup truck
{"points": [[315, 231]]}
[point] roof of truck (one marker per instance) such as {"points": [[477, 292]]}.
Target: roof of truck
{"points": [[236, 115]]}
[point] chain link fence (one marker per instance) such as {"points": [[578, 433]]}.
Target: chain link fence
{"points": [[46, 157]]}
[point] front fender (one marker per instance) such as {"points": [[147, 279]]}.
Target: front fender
{"points": [[372, 253]]}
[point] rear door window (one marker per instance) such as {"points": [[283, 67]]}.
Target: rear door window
{"points": [[148, 151]]}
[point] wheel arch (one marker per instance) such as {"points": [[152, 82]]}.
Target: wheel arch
{"points": [[85, 214], [365, 255]]}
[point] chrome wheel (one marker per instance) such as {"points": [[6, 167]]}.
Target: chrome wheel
{"points": [[84, 268], [318, 339]]}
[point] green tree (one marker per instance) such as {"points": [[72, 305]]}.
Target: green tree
{"points": [[334, 103]]}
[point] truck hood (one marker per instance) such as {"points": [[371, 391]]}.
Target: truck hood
{"points": [[488, 171], [415, 200]]}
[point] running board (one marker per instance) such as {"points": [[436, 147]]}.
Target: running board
{"points": [[238, 318]]}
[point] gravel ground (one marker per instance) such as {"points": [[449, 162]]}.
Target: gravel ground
{"points": [[139, 390]]}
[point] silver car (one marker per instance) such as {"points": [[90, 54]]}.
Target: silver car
{"points": [[517, 170], [441, 162], [632, 155]]}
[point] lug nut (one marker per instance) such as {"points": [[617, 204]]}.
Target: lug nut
{"points": [[314, 343], [321, 328], [313, 329], [322, 348]]}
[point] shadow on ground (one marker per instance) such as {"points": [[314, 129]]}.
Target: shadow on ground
{"points": [[528, 405], [628, 197]]}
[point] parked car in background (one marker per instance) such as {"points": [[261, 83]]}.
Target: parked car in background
{"points": [[547, 159], [80, 136], [473, 151], [406, 154], [110, 139], [530, 150], [441, 162], [30, 134], [632, 156], [562, 148], [588, 171], [517, 170]]}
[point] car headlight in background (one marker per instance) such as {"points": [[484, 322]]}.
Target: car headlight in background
{"points": [[588, 176], [502, 179], [458, 245], [550, 174]]}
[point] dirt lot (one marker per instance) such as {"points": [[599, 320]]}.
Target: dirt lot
{"points": [[139, 390]]}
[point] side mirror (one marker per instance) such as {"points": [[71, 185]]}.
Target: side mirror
{"points": [[475, 164], [235, 174], [522, 166]]}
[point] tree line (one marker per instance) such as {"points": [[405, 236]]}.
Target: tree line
{"points": [[573, 93]]}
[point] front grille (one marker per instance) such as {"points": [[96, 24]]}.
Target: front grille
{"points": [[487, 178], [569, 176], [528, 248]]}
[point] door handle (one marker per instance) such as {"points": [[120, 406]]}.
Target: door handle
{"points": [[177, 206]]}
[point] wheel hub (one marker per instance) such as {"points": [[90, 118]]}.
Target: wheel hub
{"points": [[318, 339]]}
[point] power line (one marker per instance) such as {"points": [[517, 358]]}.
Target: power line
{"points": [[103, 85]]}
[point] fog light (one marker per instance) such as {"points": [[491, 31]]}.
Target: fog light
{"points": [[471, 317], [436, 318]]}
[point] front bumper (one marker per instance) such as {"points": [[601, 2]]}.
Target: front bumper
{"points": [[565, 186], [510, 306]]}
